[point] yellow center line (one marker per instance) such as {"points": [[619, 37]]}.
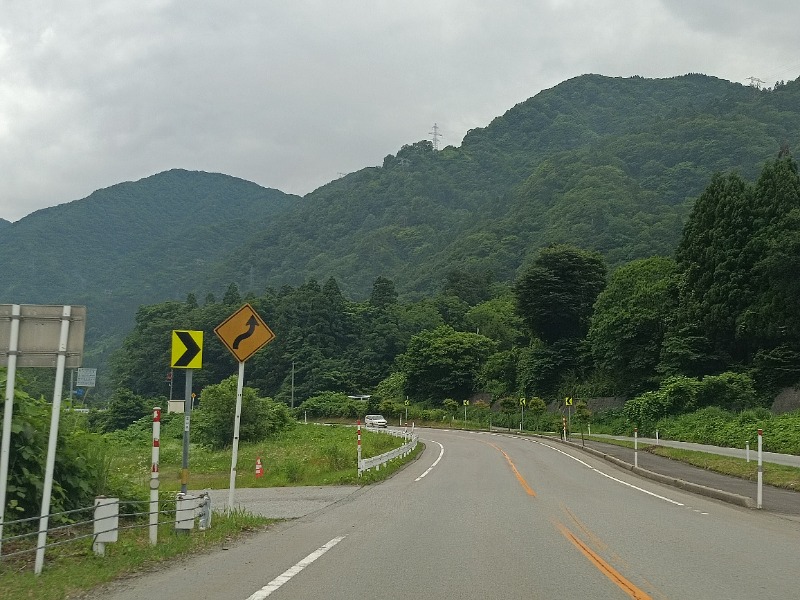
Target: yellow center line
{"points": [[519, 477], [606, 569]]}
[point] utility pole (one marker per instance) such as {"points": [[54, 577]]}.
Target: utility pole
{"points": [[292, 384], [436, 135]]}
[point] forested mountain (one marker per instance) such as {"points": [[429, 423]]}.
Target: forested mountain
{"points": [[130, 244], [605, 164]]}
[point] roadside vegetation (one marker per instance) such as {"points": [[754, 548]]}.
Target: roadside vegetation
{"points": [[73, 568], [117, 463]]}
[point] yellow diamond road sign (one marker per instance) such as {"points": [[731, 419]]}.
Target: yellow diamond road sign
{"points": [[187, 350], [244, 333]]}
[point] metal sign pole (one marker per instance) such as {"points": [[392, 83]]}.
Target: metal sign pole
{"points": [[236, 420], [187, 419], [8, 410], [51, 446]]}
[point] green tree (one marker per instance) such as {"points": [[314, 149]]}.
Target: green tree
{"points": [[75, 476], [535, 407], [773, 321], [383, 293], [583, 415], [555, 295], [629, 320], [443, 363], [471, 287], [498, 320], [125, 408], [716, 285], [232, 296], [214, 419]]}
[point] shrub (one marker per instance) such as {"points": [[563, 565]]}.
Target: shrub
{"points": [[645, 410], [331, 404], [260, 417], [732, 391], [680, 394]]}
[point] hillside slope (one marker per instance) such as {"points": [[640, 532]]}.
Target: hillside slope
{"points": [[603, 163], [132, 243]]}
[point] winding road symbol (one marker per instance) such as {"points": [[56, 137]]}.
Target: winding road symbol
{"points": [[252, 323], [244, 332]]}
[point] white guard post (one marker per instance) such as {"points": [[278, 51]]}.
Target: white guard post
{"points": [[154, 481], [184, 511], [106, 523]]}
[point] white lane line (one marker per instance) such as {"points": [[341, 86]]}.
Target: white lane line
{"points": [[289, 573], [630, 485], [436, 462]]}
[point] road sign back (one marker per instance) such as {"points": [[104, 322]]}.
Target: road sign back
{"points": [[244, 333]]}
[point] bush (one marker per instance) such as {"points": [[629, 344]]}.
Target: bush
{"points": [[260, 417], [333, 405], [645, 410], [732, 391], [124, 408], [77, 473], [679, 394]]}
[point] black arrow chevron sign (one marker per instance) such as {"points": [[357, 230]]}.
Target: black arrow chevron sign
{"points": [[187, 349]]}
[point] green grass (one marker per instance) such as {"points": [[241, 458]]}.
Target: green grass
{"points": [[312, 454], [777, 475], [306, 455], [74, 568]]}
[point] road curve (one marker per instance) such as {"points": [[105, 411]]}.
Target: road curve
{"points": [[484, 515]]}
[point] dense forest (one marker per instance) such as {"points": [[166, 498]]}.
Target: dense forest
{"points": [[722, 306]]}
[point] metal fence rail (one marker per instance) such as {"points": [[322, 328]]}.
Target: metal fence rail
{"points": [[375, 462], [105, 525]]}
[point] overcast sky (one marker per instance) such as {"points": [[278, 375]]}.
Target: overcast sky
{"points": [[290, 94]]}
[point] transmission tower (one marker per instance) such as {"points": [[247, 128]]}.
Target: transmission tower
{"points": [[436, 135]]}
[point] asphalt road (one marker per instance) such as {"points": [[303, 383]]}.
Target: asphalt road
{"points": [[484, 515]]}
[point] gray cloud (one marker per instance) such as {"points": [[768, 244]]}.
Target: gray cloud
{"points": [[289, 94]]}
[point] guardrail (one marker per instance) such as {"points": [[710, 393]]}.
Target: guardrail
{"points": [[104, 526], [375, 462]]}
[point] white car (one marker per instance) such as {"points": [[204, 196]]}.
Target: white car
{"points": [[375, 421]]}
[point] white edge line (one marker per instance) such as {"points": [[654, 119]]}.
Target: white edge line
{"points": [[630, 485], [436, 462], [291, 572]]}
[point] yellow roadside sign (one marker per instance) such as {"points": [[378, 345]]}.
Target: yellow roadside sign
{"points": [[187, 349], [568, 401], [244, 333]]}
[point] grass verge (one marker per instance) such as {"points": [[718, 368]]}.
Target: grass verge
{"points": [[73, 568], [782, 476]]}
